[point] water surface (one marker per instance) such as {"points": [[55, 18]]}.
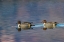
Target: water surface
{"points": [[32, 11]]}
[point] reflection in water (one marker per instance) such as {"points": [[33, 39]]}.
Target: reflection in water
{"points": [[7, 38], [31, 11]]}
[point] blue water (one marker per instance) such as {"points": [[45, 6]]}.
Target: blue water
{"points": [[32, 11]]}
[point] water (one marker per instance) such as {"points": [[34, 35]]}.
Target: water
{"points": [[32, 11]]}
